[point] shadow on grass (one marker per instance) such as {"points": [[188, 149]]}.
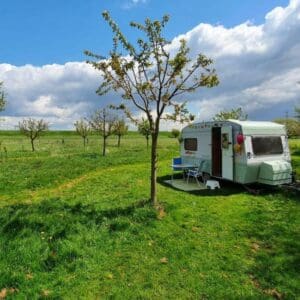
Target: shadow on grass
{"points": [[52, 225], [58, 217], [228, 187]]}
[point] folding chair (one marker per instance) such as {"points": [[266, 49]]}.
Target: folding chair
{"points": [[195, 173], [176, 161]]}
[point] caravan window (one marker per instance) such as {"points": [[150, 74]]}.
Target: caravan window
{"points": [[190, 144], [267, 145]]}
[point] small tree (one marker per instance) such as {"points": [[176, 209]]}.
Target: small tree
{"points": [[2, 98], [83, 129], [150, 75], [32, 128], [120, 129], [103, 122], [175, 133], [292, 126], [297, 111], [144, 129], [235, 114]]}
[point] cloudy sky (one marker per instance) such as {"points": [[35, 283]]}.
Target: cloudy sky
{"points": [[255, 46]]}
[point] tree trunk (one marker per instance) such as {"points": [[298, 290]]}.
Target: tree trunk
{"points": [[104, 145], [153, 192], [119, 140], [32, 144], [147, 138]]}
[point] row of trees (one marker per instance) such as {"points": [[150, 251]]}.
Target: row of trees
{"points": [[103, 122]]}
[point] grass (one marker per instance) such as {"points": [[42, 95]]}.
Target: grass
{"points": [[76, 224]]}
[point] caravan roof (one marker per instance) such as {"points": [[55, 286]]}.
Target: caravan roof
{"points": [[260, 127], [248, 127]]}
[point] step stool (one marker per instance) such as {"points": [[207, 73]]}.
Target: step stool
{"points": [[212, 184]]}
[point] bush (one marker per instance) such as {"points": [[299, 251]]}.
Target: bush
{"points": [[292, 126], [175, 133]]}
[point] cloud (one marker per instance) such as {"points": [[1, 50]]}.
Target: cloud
{"points": [[132, 3], [59, 93], [258, 67]]}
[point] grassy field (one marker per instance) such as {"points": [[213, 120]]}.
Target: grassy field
{"points": [[74, 224]]}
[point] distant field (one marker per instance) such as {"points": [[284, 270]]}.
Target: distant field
{"points": [[74, 224]]}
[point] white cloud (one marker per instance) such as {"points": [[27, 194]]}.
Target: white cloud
{"points": [[132, 3], [60, 93], [258, 66]]}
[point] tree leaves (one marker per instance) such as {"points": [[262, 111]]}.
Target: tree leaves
{"points": [[2, 98], [235, 114]]}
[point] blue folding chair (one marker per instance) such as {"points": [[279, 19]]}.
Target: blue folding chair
{"points": [[195, 173], [176, 161]]}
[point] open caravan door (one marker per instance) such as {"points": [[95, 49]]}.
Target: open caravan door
{"points": [[227, 152]]}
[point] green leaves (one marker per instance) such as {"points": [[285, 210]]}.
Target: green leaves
{"points": [[235, 114], [2, 98]]}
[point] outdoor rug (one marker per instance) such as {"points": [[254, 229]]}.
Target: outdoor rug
{"points": [[184, 186]]}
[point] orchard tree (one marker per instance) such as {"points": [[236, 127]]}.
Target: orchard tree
{"points": [[175, 133], [235, 114], [103, 122], [292, 126], [83, 129], [144, 129], [2, 98], [33, 129], [120, 129], [150, 75], [297, 111]]}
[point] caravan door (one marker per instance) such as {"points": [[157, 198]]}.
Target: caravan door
{"points": [[227, 152]]}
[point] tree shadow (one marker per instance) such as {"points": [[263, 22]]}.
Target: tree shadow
{"points": [[58, 217], [51, 235]]}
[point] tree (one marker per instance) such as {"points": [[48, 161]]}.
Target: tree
{"points": [[150, 76], [297, 111], [2, 98], [103, 122], [175, 133], [235, 114], [32, 128], [144, 129], [120, 129], [292, 126], [83, 129]]}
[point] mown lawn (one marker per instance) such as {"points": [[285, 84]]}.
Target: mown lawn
{"points": [[74, 224]]}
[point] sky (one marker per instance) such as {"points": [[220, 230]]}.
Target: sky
{"points": [[255, 45]]}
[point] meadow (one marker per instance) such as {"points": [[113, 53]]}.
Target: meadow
{"points": [[74, 224]]}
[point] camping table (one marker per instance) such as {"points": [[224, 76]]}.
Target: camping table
{"points": [[183, 167]]}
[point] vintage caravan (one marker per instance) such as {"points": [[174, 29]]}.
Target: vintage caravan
{"points": [[241, 151]]}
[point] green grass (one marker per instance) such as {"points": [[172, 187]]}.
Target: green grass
{"points": [[74, 224]]}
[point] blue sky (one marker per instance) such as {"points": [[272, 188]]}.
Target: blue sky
{"points": [[57, 31], [255, 45]]}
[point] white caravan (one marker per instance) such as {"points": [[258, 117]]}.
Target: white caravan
{"points": [[240, 151]]}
